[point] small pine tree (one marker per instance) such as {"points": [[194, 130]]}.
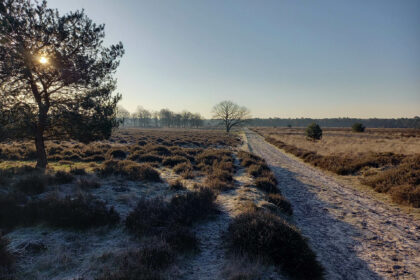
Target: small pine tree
{"points": [[358, 127], [314, 132]]}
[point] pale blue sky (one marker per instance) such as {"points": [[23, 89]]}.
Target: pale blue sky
{"points": [[296, 58]]}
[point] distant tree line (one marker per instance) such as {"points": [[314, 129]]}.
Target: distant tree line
{"points": [[163, 118], [338, 122]]}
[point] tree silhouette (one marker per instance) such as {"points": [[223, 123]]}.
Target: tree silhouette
{"points": [[230, 114], [56, 78]]}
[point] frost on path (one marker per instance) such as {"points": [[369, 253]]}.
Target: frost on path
{"points": [[354, 236], [212, 261]]}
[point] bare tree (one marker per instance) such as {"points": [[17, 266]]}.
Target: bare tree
{"points": [[230, 114], [155, 117], [122, 114], [143, 115]]}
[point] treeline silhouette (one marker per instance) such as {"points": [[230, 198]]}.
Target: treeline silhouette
{"points": [[163, 118], [338, 122]]}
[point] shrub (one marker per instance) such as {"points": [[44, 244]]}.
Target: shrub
{"points": [[180, 238], [78, 171], [314, 132], [222, 175], [130, 169], [79, 212], [185, 169], [260, 233], [217, 184], [266, 184], [145, 157], [208, 157], [117, 154], [257, 170], [145, 263], [157, 216], [191, 206], [406, 195], [149, 216], [6, 258], [158, 149], [358, 127], [282, 203], [181, 167], [248, 159], [174, 160], [141, 143], [95, 158], [88, 183], [34, 183], [62, 177], [10, 210], [176, 186]]}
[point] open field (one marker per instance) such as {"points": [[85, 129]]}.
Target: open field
{"points": [[355, 232], [147, 204], [388, 160]]}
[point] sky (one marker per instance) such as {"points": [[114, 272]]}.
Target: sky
{"points": [[294, 58]]}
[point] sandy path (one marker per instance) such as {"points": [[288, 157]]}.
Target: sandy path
{"points": [[355, 237], [212, 262], [209, 262]]}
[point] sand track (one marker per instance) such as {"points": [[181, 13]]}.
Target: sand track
{"points": [[354, 236]]}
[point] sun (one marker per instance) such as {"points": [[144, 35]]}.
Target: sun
{"points": [[43, 60]]}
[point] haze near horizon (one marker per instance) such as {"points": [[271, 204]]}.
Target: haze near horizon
{"points": [[280, 58]]}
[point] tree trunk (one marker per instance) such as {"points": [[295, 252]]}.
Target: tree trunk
{"points": [[41, 161]]}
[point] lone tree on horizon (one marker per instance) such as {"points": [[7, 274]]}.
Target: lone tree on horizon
{"points": [[230, 114], [56, 78]]}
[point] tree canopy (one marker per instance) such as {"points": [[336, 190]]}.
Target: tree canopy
{"points": [[230, 114], [56, 77]]}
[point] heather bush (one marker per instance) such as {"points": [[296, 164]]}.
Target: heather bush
{"points": [[156, 215], [88, 183], [257, 170], [282, 203], [62, 177], [130, 169], [71, 212], [140, 157], [77, 212], [174, 160], [176, 186], [6, 258], [33, 183], [116, 154], [181, 239], [158, 149], [217, 184], [260, 233], [146, 263], [183, 167], [266, 184], [78, 171]]}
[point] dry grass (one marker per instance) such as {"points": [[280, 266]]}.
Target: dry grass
{"points": [[131, 170], [344, 141], [387, 160], [76, 192]]}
